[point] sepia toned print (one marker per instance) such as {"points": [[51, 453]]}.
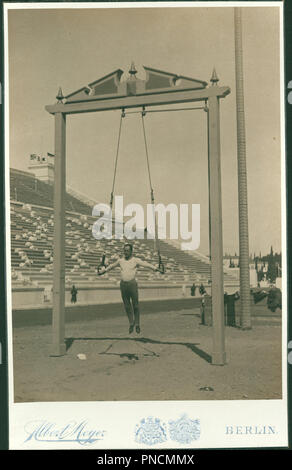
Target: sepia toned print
{"points": [[145, 176]]}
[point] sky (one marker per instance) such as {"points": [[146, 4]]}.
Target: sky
{"points": [[49, 48]]}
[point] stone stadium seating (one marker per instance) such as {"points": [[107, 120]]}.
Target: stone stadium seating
{"points": [[32, 224], [24, 187]]}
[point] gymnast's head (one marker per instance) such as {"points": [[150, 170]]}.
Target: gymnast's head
{"points": [[128, 250]]}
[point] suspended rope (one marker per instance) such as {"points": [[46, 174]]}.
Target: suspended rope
{"points": [[116, 160], [102, 264], [156, 239], [147, 156]]}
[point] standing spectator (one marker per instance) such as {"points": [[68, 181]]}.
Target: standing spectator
{"points": [[193, 290], [202, 289], [73, 294], [274, 299], [47, 293]]}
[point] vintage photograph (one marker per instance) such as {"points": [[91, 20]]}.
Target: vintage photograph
{"points": [[146, 164]]}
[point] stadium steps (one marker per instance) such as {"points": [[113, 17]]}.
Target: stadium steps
{"points": [[180, 266]]}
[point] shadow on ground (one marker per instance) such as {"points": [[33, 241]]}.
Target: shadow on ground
{"points": [[191, 346]]}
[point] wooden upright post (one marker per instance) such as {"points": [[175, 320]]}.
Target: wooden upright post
{"points": [[58, 346], [216, 242]]}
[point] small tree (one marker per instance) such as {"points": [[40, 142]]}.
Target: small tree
{"points": [[272, 268]]}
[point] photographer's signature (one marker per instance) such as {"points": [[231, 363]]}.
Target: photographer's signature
{"points": [[72, 431]]}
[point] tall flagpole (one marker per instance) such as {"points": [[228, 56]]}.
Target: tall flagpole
{"points": [[245, 317]]}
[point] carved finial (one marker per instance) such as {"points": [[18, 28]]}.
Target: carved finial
{"points": [[214, 78], [60, 95], [133, 70]]}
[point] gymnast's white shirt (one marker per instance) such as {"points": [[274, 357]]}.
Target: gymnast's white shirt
{"points": [[128, 268]]}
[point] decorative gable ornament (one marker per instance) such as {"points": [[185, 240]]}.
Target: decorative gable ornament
{"points": [[157, 81]]}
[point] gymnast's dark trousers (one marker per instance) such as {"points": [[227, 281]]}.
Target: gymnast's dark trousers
{"points": [[129, 291]]}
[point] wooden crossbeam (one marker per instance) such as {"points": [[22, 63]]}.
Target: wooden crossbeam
{"points": [[139, 101]]}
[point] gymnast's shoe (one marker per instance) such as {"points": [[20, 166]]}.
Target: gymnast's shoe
{"points": [[138, 329], [131, 329]]}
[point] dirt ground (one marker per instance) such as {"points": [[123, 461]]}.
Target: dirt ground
{"points": [[169, 360]]}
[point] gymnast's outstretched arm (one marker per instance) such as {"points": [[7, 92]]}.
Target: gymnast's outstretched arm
{"points": [[144, 264], [112, 266]]}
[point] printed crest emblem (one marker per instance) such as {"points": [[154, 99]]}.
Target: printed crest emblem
{"points": [[184, 430], [150, 431]]}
